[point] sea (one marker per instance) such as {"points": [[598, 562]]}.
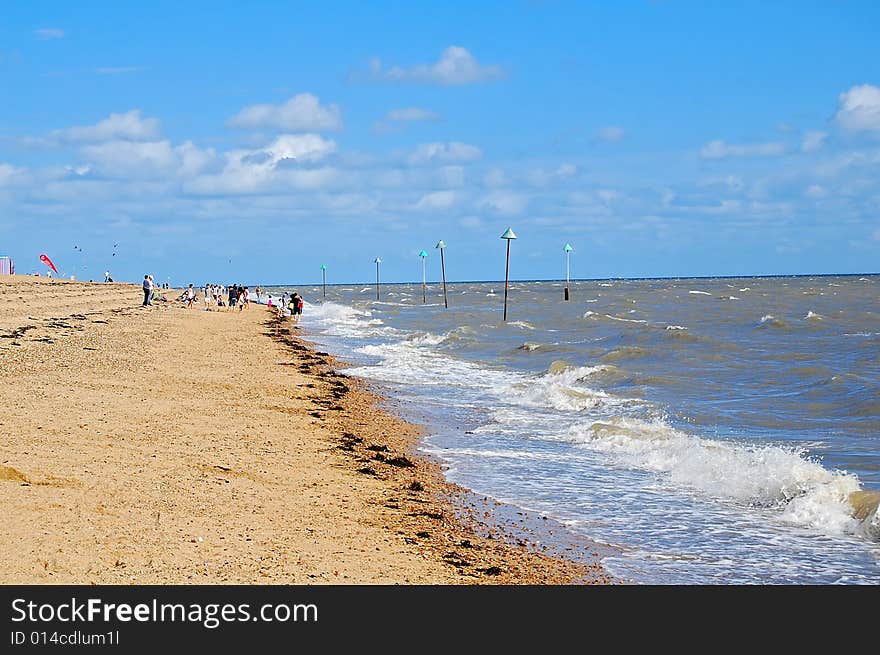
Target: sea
{"points": [[705, 430]]}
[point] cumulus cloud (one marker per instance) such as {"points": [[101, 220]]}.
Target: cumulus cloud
{"points": [[816, 192], [505, 203], [437, 200], [453, 151], [145, 159], [9, 173], [541, 178], [611, 134], [718, 149], [48, 33], [859, 109], [128, 126], [813, 141], [302, 113], [455, 66], [288, 161]]}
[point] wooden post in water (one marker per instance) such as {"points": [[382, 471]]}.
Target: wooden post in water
{"points": [[324, 278], [508, 236], [423, 255], [378, 261], [567, 250], [440, 245]]}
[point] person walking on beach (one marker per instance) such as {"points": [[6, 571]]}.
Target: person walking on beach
{"points": [[148, 290], [190, 296]]}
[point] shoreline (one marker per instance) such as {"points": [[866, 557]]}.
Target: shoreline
{"points": [[451, 523], [167, 446]]}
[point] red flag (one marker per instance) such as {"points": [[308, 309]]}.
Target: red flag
{"points": [[48, 262]]}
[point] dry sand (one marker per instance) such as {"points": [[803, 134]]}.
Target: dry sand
{"points": [[168, 445]]}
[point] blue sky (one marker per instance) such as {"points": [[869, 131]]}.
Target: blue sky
{"points": [[228, 141]]}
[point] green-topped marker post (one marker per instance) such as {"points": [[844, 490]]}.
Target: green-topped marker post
{"points": [[324, 278]]}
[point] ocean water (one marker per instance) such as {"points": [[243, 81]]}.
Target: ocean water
{"points": [[711, 431]]}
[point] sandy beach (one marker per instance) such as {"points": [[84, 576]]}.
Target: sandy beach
{"points": [[165, 445]]}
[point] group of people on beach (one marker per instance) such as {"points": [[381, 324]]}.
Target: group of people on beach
{"points": [[287, 304], [229, 297], [152, 291], [235, 295]]}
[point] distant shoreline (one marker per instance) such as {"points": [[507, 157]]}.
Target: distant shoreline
{"points": [[562, 280]]}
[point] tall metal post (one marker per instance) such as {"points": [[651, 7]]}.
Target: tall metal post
{"points": [[324, 278], [424, 255], [440, 245], [567, 249], [508, 236], [378, 261]]}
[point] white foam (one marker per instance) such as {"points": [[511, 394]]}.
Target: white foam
{"points": [[625, 320], [676, 327], [700, 293], [427, 339], [811, 314], [767, 476]]}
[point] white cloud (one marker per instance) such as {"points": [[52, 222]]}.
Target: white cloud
{"points": [[496, 178], [471, 222], [302, 113], [437, 200], [128, 126], [455, 66], [140, 159], [718, 149], [9, 174], [813, 141], [859, 109], [607, 195], [279, 164], [411, 114], [541, 178], [505, 203], [444, 152], [816, 192], [611, 134], [300, 147], [48, 33]]}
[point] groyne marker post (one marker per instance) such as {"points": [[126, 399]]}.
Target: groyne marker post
{"points": [[508, 236], [424, 255], [378, 261], [567, 249], [440, 246], [324, 278]]}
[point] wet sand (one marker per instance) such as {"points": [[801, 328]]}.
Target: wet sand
{"points": [[165, 445]]}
